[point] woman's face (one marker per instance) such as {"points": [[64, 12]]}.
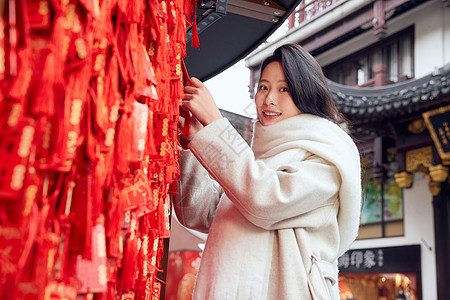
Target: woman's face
{"points": [[273, 100]]}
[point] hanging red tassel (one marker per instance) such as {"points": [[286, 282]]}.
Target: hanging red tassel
{"points": [[189, 9], [186, 126], [127, 279], [195, 41], [124, 138], [151, 144], [115, 215], [19, 87], [81, 210], [44, 101]]}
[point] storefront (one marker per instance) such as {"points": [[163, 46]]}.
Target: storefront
{"points": [[381, 273]]}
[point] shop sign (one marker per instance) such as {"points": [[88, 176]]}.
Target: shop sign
{"points": [[438, 123], [388, 259]]}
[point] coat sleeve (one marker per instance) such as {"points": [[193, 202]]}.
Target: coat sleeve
{"points": [[198, 195], [266, 197]]}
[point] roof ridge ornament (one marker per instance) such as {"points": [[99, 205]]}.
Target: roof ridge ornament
{"points": [[436, 71]]}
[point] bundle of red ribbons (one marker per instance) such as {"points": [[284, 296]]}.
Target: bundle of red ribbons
{"points": [[89, 103]]}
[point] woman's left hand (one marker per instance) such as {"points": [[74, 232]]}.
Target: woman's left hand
{"points": [[199, 101]]}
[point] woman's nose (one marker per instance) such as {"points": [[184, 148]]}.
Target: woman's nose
{"points": [[270, 98]]}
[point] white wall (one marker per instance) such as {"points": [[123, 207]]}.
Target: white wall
{"points": [[419, 229], [446, 33], [429, 38]]}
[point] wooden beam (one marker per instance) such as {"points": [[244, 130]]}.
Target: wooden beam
{"points": [[362, 19], [338, 29]]}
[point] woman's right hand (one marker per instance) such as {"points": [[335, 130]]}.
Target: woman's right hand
{"points": [[199, 101]]}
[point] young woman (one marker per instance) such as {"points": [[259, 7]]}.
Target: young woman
{"points": [[279, 213]]}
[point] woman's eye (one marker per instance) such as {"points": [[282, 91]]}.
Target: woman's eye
{"points": [[285, 89], [263, 87]]}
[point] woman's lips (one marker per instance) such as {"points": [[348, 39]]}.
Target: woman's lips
{"points": [[271, 114]]}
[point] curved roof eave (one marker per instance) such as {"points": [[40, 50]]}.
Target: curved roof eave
{"points": [[413, 94]]}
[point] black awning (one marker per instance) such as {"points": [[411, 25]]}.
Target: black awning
{"points": [[230, 29]]}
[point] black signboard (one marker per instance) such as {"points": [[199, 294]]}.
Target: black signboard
{"points": [[401, 259], [438, 123]]}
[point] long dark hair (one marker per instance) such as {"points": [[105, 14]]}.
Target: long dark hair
{"points": [[306, 82], [308, 88]]}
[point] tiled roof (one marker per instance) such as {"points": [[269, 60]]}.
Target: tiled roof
{"points": [[397, 99]]}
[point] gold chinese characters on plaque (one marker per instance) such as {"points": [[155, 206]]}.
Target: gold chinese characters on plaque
{"points": [[438, 123]]}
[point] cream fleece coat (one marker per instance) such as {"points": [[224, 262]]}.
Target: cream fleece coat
{"points": [[277, 217]]}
